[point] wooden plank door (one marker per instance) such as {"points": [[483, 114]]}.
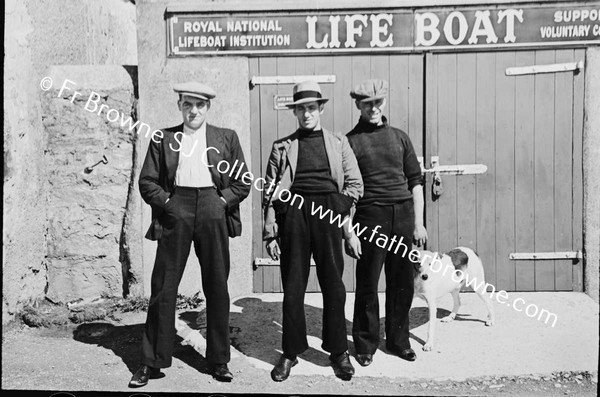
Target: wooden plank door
{"points": [[404, 110], [527, 130]]}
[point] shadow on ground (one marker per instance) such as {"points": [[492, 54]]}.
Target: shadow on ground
{"points": [[125, 342], [255, 331]]}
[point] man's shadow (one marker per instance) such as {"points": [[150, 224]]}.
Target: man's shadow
{"points": [[126, 341], [256, 331]]}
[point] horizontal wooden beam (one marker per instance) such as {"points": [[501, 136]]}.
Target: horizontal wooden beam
{"points": [[545, 255]]}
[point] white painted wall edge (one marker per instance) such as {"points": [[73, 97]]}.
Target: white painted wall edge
{"points": [[288, 5]]}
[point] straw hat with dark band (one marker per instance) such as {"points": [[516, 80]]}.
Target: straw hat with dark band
{"points": [[305, 92]]}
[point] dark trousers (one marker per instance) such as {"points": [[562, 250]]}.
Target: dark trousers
{"points": [[302, 234], [398, 220], [198, 216]]}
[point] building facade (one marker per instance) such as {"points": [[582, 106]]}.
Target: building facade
{"points": [[494, 95], [500, 99]]}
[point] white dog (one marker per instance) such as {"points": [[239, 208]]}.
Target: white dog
{"points": [[438, 275]]}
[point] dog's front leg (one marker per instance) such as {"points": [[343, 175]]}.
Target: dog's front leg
{"points": [[432, 304]]}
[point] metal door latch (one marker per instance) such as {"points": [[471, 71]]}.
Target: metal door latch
{"points": [[436, 187], [437, 170]]}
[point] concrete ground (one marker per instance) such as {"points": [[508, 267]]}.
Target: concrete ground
{"points": [[465, 347], [102, 356]]}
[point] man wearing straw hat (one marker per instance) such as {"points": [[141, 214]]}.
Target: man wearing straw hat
{"points": [[392, 205], [318, 166]]}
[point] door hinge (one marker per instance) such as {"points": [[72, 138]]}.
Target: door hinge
{"points": [[458, 169], [322, 79], [552, 68], [545, 255]]}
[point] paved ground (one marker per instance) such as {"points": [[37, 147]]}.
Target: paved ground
{"points": [[469, 358]]}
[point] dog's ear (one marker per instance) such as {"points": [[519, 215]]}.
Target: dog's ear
{"points": [[417, 266], [459, 258]]}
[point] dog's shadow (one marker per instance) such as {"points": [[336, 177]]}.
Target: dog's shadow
{"points": [[419, 316]]}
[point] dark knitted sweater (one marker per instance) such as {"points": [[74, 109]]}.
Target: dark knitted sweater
{"points": [[387, 162], [313, 175]]}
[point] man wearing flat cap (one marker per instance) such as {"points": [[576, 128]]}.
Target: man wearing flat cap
{"points": [[316, 167], [191, 203], [392, 205]]}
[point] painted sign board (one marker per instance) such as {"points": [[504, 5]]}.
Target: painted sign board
{"points": [[280, 101], [398, 30]]}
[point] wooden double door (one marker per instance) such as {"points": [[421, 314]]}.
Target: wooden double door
{"points": [[462, 109]]}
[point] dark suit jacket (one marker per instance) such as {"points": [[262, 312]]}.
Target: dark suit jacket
{"points": [[157, 178]]}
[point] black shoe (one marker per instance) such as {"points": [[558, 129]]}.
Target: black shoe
{"points": [[222, 373], [342, 366], [364, 359], [281, 370], [408, 355], [143, 374]]}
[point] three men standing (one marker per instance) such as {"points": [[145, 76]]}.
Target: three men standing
{"points": [[392, 205], [191, 203], [318, 166]]}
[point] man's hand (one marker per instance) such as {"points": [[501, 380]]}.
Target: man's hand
{"points": [[273, 250], [352, 246], [420, 235]]}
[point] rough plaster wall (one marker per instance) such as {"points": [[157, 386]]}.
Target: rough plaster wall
{"points": [[591, 174], [23, 264], [158, 107], [40, 33], [86, 210], [89, 32]]}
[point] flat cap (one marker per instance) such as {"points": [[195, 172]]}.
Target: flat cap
{"points": [[195, 89], [370, 90]]}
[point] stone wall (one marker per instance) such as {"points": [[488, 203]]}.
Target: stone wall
{"points": [[41, 33], [86, 206]]}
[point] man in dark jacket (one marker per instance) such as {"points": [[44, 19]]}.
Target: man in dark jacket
{"points": [[191, 202], [316, 166], [391, 208]]}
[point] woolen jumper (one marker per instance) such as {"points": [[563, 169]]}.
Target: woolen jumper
{"points": [[387, 162], [313, 175]]}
